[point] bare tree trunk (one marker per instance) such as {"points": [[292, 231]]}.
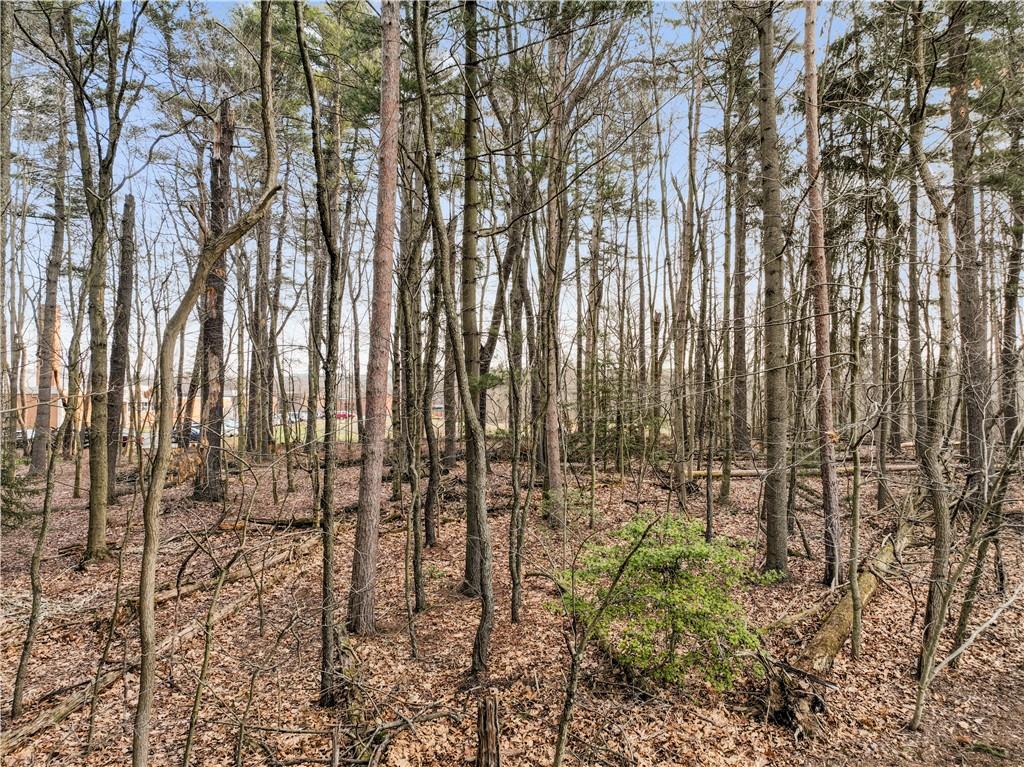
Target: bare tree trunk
{"points": [[72, 435], [553, 268], [257, 426], [517, 516], [682, 298], [776, 399], [396, 412], [409, 369], [433, 451], [451, 403], [316, 319], [974, 354], [822, 311], [488, 748], [364, 559], [914, 325], [929, 444], [740, 418], [470, 331], [212, 252], [891, 331], [326, 188], [481, 643], [48, 330], [119, 349], [209, 483], [357, 367], [1011, 295], [35, 576], [97, 196], [10, 421], [725, 415], [102, 94]]}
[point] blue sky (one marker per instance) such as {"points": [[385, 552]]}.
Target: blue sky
{"points": [[166, 236]]}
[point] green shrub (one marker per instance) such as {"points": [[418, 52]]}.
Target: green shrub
{"points": [[671, 615]]}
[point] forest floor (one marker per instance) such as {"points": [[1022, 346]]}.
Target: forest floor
{"points": [[259, 697]]}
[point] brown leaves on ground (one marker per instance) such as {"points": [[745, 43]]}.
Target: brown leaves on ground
{"points": [[259, 702]]}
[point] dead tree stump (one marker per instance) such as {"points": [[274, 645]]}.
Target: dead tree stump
{"points": [[488, 751]]}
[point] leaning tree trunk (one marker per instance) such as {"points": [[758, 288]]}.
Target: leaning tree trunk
{"points": [[928, 446], [481, 643], [212, 253], [331, 678]]}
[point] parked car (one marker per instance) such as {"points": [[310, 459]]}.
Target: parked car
{"points": [[297, 416], [180, 438], [343, 415], [229, 428], [127, 436]]}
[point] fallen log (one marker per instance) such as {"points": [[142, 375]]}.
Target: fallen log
{"points": [[664, 478], [797, 694], [191, 587], [820, 652], [14, 738], [806, 472], [295, 523]]}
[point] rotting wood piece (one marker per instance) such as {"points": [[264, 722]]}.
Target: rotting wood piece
{"points": [[797, 692], [821, 651], [488, 753]]}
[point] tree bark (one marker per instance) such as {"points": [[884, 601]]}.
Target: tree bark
{"points": [[364, 559], [119, 348], [47, 373], [212, 252], [822, 311], [209, 483], [928, 446], [10, 420], [553, 269], [470, 331], [1011, 293], [257, 425], [488, 730], [974, 352], [481, 643], [98, 186], [740, 417], [776, 398], [326, 180]]}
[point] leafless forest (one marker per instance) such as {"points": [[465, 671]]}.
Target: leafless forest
{"points": [[524, 383]]}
